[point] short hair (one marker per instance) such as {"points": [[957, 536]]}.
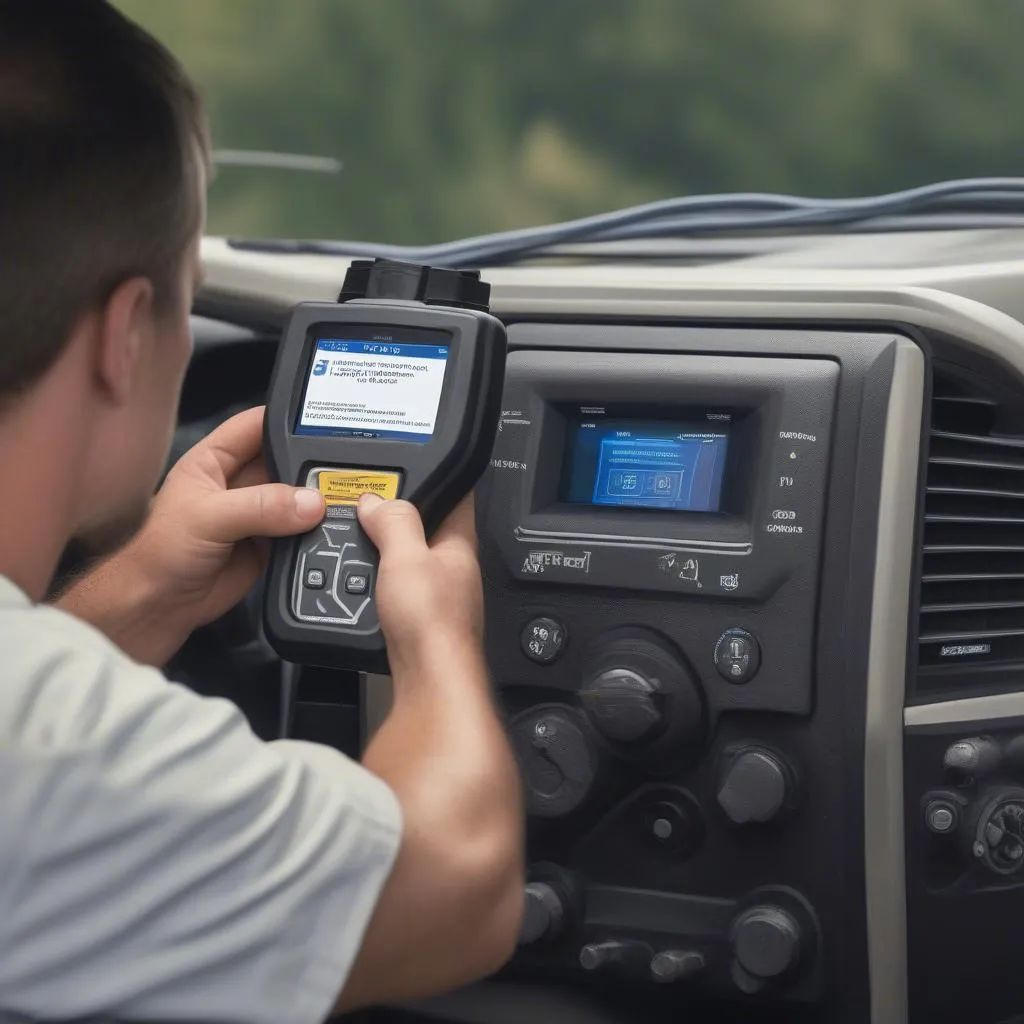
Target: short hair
{"points": [[102, 136]]}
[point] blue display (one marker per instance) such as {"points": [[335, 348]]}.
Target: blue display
{"points": [[646, 464], [382, 348]]}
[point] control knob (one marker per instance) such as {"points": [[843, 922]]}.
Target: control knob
{"points": [[941, 814], [755, 785], [676, 965], [993, 830], [640, 696], [543, 913], [974, 758], [766, 942], [621, 955], [737, 655], [557, 760], [625, 705]]}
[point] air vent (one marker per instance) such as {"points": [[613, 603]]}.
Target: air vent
{"points": [[971, 635]]}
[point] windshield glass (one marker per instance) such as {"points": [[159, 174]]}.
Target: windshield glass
{"points": [[414, 121]]}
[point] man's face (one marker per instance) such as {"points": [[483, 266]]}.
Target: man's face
{"points": [[130, 450]]}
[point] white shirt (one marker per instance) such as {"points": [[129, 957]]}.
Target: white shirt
{"points": [[160, 862]]}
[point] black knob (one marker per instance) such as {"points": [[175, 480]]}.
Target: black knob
{"points": [[676, 965], [973, 758], [994, 830], [557, 760], [641, 697], [755, 785], [737, 656], [614, 954], [941, 815], [543, 639], [766, 944], [543, 913], [623, 704]]}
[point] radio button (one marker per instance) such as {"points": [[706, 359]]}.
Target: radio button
{"points": [[941, 816], [737, 656], [675, 965], [767, 943], [624, 705], [543, 913], [557, 758], [754, 787], [543, 639]]}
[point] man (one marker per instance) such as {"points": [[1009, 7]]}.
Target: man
{"points": [[158, 861]]}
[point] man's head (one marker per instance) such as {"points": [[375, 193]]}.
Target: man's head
{"points": [[103, 157]]}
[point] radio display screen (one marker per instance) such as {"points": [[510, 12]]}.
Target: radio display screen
{"points": [[645, 464]]}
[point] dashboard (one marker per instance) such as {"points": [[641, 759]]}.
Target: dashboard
{"points": [[753, 548]]}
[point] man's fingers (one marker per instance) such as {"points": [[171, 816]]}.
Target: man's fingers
{"points": [[396, 525], [268, 510], [393, 526], [236, 442], [251, 474]]}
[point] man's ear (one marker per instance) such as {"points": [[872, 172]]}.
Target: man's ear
{"points": [[125, 332]]}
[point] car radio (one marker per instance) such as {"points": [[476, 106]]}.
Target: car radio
{"points": [[674, 476], [662, 509]]}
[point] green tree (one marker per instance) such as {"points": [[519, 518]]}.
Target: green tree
{"points": [[453, 117]]}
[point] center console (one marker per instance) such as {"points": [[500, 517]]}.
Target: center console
{"points": [[754, 554], [667, 532]]}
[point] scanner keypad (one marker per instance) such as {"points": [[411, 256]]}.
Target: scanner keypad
{"points": [[336, 565]]}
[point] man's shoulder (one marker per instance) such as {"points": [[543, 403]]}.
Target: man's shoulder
{"points": [[27, 630], [159, 860], [65, 683]]}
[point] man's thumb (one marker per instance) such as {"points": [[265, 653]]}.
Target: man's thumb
{"points": [[391, 525], [265, 510]]}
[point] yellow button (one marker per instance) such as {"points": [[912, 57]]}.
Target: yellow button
{"points": [[344, 486]]}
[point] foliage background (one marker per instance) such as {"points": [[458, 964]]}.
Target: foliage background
{"points": [[454, 117]]}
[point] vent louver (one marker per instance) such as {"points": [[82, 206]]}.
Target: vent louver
{"points": [[971, 634]]}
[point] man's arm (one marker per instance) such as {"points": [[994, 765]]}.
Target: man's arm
{"points": [[126, 604], [451, 910], [207, 875]]}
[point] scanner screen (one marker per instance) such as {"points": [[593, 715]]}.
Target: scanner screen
{"points": [[373, 389]]}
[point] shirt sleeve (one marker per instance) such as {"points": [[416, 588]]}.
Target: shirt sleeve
{"points": [[159, 861]]}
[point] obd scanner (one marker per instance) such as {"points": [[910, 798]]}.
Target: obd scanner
{"points": [[395, 389]]}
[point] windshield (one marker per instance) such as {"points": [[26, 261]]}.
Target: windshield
{"points": [[416, 121]]}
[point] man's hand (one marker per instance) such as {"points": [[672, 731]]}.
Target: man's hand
{"points": [[202, 543], [429, 596], [202, 547], [450, 912]]}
